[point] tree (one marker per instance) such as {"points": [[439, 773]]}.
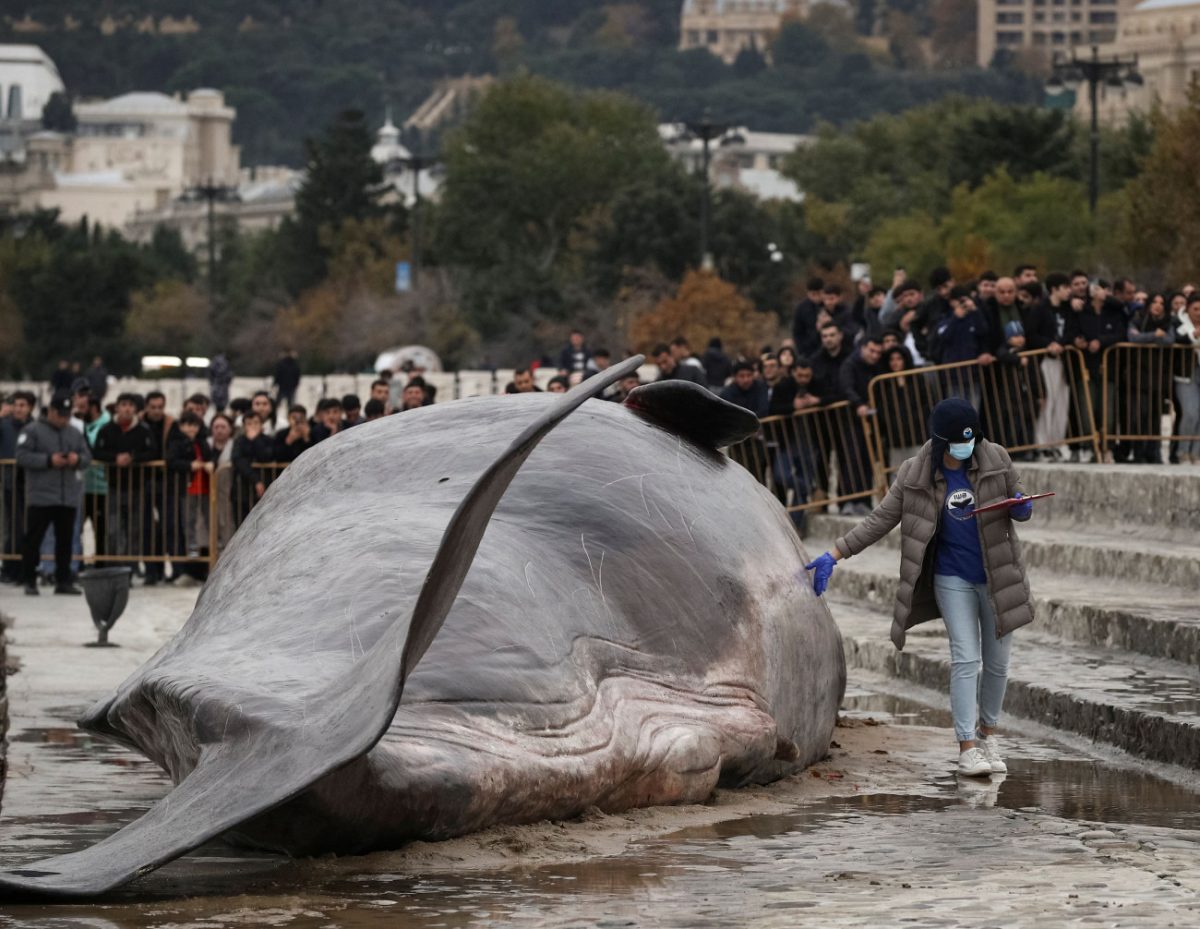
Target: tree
{"points": [[58, 115], [994, 226], [798, 46], [912, 163], [170, 317], [526, 177], [342, 180], [705, 306], [342, 184], [953, 39], [1157, 233], [749, 62]]}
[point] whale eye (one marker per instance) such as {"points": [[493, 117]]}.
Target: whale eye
{"points": [[442, 480]]}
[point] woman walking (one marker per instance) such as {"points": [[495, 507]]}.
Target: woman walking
{"points": [[963, 567]]}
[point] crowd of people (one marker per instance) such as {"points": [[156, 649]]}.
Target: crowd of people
{"points": [[86, 463], [143, 481]]}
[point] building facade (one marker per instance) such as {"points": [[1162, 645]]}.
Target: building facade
{"points": [[1046, 26], [1165, 37], [727, 27], [138, 152], [752, 164]]}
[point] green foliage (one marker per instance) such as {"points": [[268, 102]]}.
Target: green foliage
{"points": [[71, 288], [908, 167], [342, 185], [996, 225], [524, 177], [1156, 225]]}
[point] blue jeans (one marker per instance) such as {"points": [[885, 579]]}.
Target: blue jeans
{"points": [[971, 626], [1188, 395]]}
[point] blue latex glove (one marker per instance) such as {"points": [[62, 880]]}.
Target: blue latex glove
{"points": [[822, 570], [1021, 510]]}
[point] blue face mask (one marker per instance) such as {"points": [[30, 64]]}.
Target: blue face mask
{"points": [[962, 450]]}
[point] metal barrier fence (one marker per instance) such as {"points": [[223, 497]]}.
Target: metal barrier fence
{"points": [[149, 512], [1137, 382], [812, 458], [829, 454], [1038, 400]]}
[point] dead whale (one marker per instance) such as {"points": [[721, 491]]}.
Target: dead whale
{"points": [[410, 639]]}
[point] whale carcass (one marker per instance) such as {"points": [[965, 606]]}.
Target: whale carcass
{"points": [[491, 611]]}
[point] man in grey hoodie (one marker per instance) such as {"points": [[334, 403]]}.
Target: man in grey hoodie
{"points": [[54, 457]]}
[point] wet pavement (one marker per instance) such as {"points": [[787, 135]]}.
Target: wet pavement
{"points": [[1064, 839]]}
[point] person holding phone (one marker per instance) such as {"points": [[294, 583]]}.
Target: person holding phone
{"points": [[955, 564]]}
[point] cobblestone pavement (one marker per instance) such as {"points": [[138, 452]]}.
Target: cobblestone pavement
{"points": [[881, 833]]}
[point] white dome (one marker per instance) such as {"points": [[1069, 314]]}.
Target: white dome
{"points": [[138, 103], [388, 147], [30, 69], [419, 355]]}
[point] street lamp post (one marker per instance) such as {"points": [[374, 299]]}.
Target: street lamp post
{"points": [[707, 132], [212, 193], [416, 163], [1117, 72]]}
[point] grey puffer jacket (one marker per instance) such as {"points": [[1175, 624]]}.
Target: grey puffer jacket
{"points": [[915, 501], [46, 485]]}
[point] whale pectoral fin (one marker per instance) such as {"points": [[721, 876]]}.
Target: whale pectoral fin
{"points": [[689, 410], [257, 768]]}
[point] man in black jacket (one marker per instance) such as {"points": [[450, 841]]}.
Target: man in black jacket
{"points": [[856, 373], [804, 321], [827, 363], [124, 445], [1098, 325], [296, 439], [12, 482], [162, 522], [935, 308], [671, 370], [746, 391], [854, 466], [287, 378], [781, 389]]}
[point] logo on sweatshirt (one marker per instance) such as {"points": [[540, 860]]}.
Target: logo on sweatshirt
{"points": [[960, 502]]}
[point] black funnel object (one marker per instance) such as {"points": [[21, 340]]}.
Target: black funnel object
{"points": [[107, 593]]}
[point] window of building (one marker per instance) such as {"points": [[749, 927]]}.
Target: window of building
{"points": [[1039, 38], [1105, 17], [693, 37], [1010, 19], [1009, 38], [713, 37]]}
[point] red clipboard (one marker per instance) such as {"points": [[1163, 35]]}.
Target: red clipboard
{"points": [[1004, 504]]}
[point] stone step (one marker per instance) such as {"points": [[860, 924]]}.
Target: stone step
{"points": [[1064, 549], [1155, 501], [1145, 706], [1151, 620]]}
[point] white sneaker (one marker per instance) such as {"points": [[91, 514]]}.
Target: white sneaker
{"points": [[974, 763], [991, 751]]}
